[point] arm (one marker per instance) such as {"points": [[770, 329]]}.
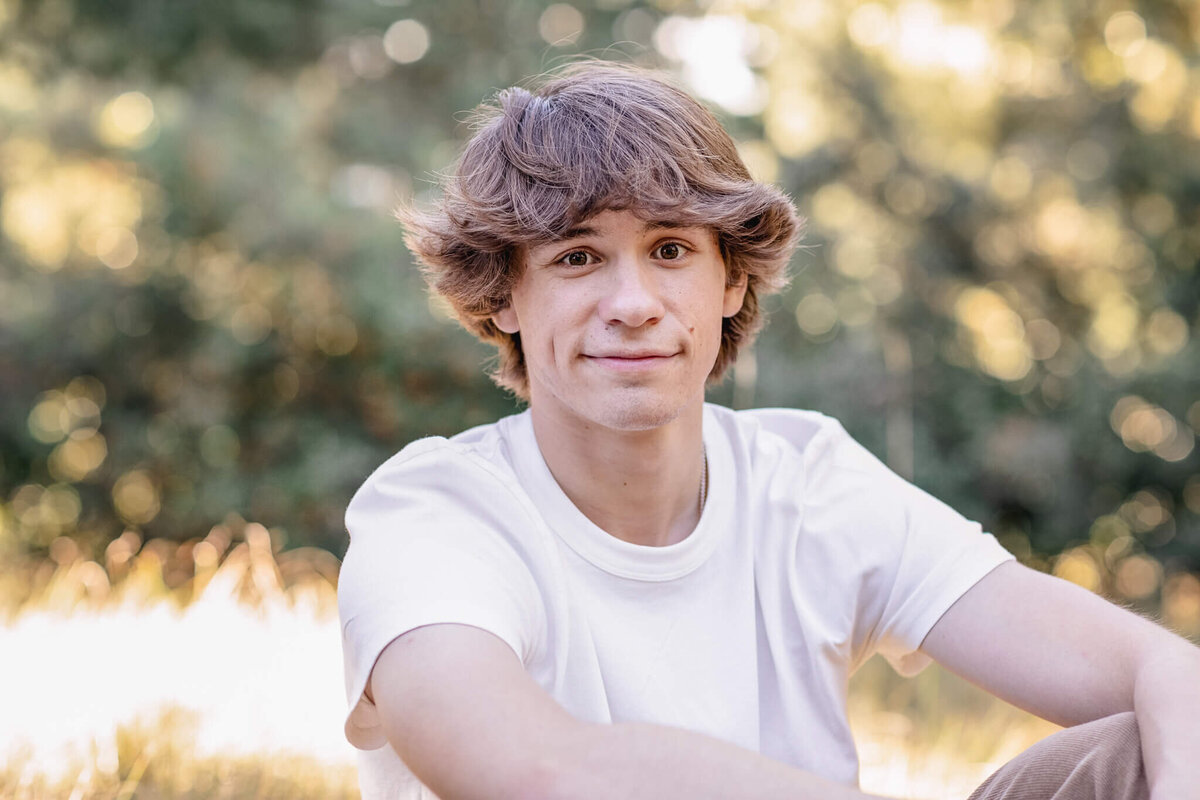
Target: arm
{"points": [[1066, 655], [463, 714]]}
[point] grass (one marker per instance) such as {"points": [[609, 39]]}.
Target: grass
{"points": [[932, 736], [157, 759], [212, 669]]}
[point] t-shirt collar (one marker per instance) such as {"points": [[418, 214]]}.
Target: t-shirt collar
{"points": [[605, 551]]}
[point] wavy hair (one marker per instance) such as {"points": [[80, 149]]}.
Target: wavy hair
{"points": [[592, 137]]}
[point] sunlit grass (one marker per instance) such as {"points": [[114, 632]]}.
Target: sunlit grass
{"points": [[213, 669], [157, 758], [145, 679], [932, 736]]}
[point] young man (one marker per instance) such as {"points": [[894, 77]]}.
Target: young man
{"points": [[624, 592]]}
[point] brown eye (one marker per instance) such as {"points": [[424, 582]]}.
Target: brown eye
{"points": [[670, 251], [576, 259]]}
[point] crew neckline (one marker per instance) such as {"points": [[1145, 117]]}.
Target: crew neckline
{"points": [[602, 549]]}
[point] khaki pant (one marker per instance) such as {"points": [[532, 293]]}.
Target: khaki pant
{"points": [[1100, 760]]}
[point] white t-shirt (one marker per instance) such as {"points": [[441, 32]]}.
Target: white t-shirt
{"points": [[810, 556]]}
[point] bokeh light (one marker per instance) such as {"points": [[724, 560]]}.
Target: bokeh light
{"points": [[713, 51], [406, 41], [561, 24], [136, 497], [127, 121]]}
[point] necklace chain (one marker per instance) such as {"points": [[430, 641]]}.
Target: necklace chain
{"points": [[703, 478]]}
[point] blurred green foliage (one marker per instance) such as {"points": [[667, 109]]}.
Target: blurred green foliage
{"points": [[206, 308]]}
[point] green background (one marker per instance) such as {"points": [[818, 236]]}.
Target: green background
{"points": [[206, 308]]}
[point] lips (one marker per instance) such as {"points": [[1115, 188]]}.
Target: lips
{"points": [[631, 356], [631, 361]]}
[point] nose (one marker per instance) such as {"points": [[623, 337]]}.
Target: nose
{"points": [[631, 295]]}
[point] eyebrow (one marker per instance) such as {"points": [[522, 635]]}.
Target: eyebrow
{"points": [[587, 230], [576, 232], [660, 224]]}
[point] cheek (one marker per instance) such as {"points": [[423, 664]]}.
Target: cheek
{"points": [[540, 340], [715, 327]]}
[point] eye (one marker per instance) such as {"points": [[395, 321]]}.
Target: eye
{"points": [[671, 251], [577, 258]]}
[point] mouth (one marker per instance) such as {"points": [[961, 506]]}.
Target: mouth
{"points": [[630, 360]]}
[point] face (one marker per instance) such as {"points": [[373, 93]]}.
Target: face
{"points": [[620, 321]]}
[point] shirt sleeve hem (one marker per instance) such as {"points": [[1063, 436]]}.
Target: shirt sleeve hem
{"points": [[938, 592], [363, 728]]}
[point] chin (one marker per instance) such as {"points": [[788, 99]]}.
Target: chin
{"points": [[633, 413]]}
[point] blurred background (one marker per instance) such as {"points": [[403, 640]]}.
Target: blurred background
{"points": [[210, 332]]}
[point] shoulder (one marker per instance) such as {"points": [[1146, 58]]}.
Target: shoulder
{"points": [[797, 426], [816, 443], [807, 460], [467, 476], [445, 513]]}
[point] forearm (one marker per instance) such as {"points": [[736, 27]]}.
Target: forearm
{"points": [[511, 739], [634, 760], [1167, 703]]}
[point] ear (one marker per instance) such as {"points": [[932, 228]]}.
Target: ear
{"points": [[506, 319], [734, 295]]}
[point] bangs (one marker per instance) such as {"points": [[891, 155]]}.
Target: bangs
{"points": [[541, 165]]}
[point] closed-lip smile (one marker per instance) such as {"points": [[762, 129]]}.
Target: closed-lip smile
{"points": [[633, 355], [630, 359]]}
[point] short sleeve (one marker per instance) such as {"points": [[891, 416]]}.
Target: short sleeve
{"points": [[431, 541], [914, 555]]}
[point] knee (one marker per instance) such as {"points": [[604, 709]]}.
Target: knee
{"points": [[1098, 759], [1116, 735], [1124, 722], [1114, 756]]}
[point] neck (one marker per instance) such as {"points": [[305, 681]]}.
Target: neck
{"points": [[643, 487]]}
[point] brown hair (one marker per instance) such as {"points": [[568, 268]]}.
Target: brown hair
{"points": [[596, 136]]}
